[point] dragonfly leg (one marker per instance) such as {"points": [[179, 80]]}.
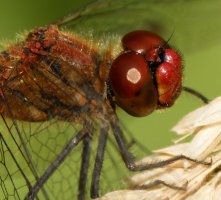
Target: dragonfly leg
{"points": [[85, 159], [57, 162], [161, 182], [130, 162], [196, 94], [98, 162]]}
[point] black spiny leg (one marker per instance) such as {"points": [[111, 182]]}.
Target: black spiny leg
{"points": [[57, 162], [85, 159], [130, 162], [196, 94], [98, 162]]}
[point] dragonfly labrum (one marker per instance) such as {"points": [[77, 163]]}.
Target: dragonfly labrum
{"points": [[60, 90]]}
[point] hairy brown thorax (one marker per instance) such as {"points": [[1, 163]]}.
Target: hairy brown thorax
{"points": [[49, 75]]}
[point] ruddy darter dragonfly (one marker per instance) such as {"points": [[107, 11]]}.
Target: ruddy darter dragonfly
{"points": [[59, 92]]}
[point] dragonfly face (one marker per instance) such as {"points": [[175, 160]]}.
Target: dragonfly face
{"points": [[146, 75], [28, 149]]}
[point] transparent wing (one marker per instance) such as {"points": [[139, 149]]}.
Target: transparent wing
{"points": [[28, 151]]}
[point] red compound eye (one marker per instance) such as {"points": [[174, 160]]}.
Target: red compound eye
{"points": [[141, 41], [169, 78], [132, 84], [173, 57]]}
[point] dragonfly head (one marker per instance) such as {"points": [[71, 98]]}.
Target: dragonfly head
{"points": [[147, 75]]}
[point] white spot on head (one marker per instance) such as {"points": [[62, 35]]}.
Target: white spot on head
{"points": [[133, 75]]}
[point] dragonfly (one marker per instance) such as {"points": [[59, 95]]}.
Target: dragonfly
{"points": [[37, 160]]}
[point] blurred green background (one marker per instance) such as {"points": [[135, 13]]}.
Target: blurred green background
{"points": [[196, 33]]}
